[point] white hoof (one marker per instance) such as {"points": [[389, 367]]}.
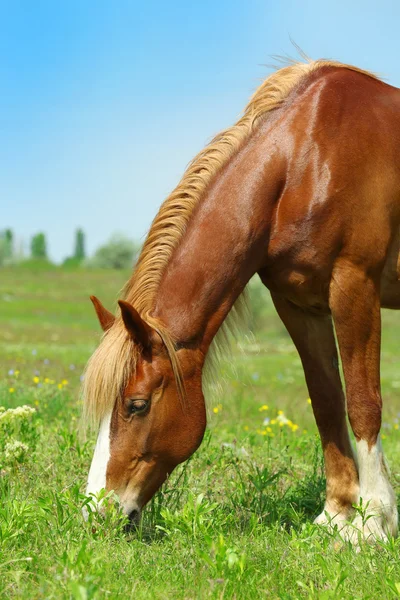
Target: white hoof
{"points": [[372, 525], [361, 531], [331, 519], [377, 517]]}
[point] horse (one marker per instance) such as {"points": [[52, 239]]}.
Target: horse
{"points": [[304, 190]]}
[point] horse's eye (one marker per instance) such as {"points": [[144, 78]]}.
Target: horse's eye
{"points": [[137, 406]]}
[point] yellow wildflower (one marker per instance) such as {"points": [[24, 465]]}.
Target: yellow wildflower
{"points": [[46, 380], [396, 426], [64, 382], [11, 390], [36, 380], [263, 407], [308, 400], [16, 373], [280, 412], [295, 427], [246, 427], [273, 422], [269, 429], [60, 386]]}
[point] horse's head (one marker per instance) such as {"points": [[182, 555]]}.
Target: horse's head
{"points": [[147, 429]]}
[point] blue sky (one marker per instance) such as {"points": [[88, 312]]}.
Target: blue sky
{"points": [[103, 103]]}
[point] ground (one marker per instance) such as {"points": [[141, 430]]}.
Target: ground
{"points": [[234, 522]]}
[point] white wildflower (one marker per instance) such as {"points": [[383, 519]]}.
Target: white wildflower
{"points": [[15, 450], [21, 412], [282, 419]]}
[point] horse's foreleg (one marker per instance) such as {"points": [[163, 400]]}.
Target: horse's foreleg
{"points": [[314, 339], [355, 306]]}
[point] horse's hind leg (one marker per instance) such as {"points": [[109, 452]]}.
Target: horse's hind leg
{"points": [[355, 306], [314, 339]]}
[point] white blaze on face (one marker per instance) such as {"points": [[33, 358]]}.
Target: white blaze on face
{"points": [[97, 474], [98, 468]]}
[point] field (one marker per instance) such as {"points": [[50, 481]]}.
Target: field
{"points": [[234, 522]]}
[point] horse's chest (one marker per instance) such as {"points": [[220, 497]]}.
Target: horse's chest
{"points": [[300, 279], [390, 282], [303, 275], [299, 258]]}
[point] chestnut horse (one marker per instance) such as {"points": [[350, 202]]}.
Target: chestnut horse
{"points": [[305, 191]]}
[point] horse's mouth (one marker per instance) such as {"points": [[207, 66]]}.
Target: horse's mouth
{"points": [[133, 520]]}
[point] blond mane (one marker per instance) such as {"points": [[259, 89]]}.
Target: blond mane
{"points": [[114, 361]]}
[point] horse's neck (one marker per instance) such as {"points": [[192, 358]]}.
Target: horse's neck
{"points": [[224, 245]]}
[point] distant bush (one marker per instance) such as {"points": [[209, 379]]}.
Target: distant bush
{"points": [[72, 263], [36, 265], [119, 253]]}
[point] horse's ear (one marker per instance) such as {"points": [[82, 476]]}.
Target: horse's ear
{"points": [[138, 329], [105, 317]]}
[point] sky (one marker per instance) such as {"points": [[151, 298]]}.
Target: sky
{"points": [[103, 103]]}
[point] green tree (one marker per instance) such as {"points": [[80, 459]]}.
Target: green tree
{"points": [[119, 253], [79, 252], [3, 251], [6, 246], [9, 242], [39, 246]]}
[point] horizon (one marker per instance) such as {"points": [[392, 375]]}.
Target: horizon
{"points": [[104, 106]]}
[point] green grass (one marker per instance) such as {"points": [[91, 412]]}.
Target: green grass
{"points": [[233, 522]]}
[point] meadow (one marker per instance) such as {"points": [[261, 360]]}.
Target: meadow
{"points": [[233, 522]]}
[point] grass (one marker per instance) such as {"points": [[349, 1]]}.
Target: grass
{"points": [[233, 522]]}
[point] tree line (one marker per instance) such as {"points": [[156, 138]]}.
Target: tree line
{"points": [[118, 253]]}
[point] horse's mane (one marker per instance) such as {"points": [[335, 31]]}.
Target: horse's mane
{"points": [[114, 362]]}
